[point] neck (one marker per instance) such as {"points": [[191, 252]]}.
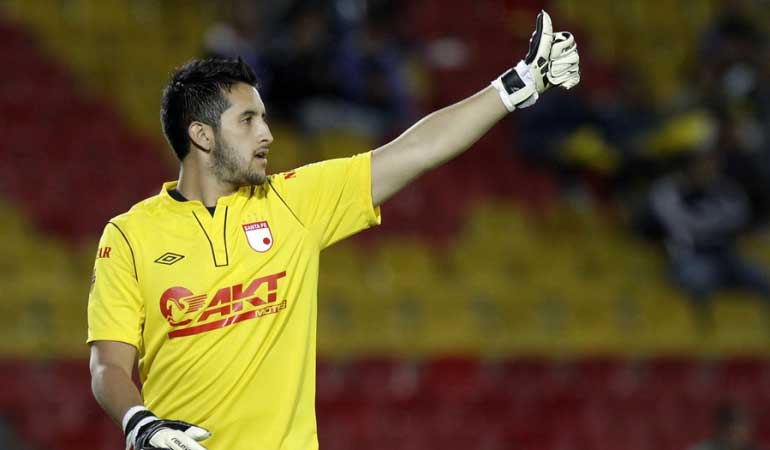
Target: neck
{"points": [[195, 183]]}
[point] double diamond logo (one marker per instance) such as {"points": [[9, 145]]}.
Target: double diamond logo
{"points": [[169, 258]]}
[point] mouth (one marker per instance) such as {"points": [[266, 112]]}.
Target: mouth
{"points": [[262, 154]]}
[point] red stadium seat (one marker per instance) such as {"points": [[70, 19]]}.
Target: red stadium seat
{"points": [[601, 376], [527, 377], [384, 380], [455, 380], [331, 382], [746, 379]]}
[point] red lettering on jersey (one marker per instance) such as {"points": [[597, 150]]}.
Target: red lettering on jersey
{"points": [[249, 292], [104, 252], [288, 175], [222, 297], [226, 305]]}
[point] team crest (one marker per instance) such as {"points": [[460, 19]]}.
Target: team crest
{"points": [[259, 236]]}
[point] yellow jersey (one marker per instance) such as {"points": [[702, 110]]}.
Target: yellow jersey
{"points": [[222, 307]]}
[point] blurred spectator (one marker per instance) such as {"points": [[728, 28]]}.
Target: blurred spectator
{"points": [[322, 64], [242, 32], [733, 430], [591, 136], [735, 48], [702, 214], [372, 64], [300, 60], [735, 84]]}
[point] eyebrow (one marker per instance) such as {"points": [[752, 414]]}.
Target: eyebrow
{"points": [[251, 112]]}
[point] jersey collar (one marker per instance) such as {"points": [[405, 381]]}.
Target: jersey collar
{"points": [[197, 204]]}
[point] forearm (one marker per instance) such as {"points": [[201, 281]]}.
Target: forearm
{"points": [[448, 132], [114, 391], [435, 139], [552, 60]]}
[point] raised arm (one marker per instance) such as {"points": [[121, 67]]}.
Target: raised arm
{"points": [[552, 60], [435, 139]]}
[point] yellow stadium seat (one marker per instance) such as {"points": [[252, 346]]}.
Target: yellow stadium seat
{"points": [[740, 325]]}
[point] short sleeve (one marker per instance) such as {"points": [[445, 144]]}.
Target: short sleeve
{"points": [[115, 308], [332, 198]]}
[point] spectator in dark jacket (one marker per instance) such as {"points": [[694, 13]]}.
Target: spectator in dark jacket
{"points": [[702, 214]]}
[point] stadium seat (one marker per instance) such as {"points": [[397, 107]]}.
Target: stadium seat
{"points": [[384, 381], [454, 380]]}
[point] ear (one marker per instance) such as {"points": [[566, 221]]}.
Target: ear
{"points": [[201, 136]]}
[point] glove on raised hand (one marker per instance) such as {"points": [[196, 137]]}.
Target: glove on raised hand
{"points": [[520, 86], [552, 60]]}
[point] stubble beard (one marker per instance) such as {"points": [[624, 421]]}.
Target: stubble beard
{"points": [[228, 168]]}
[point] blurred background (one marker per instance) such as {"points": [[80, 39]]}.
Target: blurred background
{"points": [[592, 275]]}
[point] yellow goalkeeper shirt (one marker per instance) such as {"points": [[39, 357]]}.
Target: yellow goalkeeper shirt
{"points": [[222, 308]]}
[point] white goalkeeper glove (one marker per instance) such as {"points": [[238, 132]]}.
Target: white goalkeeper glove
{"points": [[564, 66], [552, 59], [145, 431], [520, 87]]}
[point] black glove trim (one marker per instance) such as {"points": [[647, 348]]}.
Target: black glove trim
{"points": [[534, 42], [512, 82], [145, 433], [136, 418]]}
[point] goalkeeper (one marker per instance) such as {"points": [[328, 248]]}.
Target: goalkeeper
{"points": [[210, 286]]}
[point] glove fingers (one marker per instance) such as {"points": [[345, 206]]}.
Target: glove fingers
{"points": [[572, 82], [571, 57], [563, 51], [566, 77], [564, 68], [198, 433], [174, 440], [192, 445], [561, 72], [564, 65], [562, 43]]}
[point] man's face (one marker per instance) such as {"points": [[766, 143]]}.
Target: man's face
{"points": [[239, 156]]}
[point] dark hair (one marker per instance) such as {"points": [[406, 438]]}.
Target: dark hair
{"points": [[196, 92]]}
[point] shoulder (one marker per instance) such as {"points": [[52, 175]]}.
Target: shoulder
{"points": [[278, 179], [147, 210], [296, 179], [326, 168]]}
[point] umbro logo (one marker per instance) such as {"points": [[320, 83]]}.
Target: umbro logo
{"points": [[169, 258]]}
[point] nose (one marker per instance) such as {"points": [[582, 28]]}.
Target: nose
{"points": [[265, 137]]}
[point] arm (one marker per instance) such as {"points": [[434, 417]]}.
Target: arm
{"points": [[111, 366], [432, 141], [552, 59]]}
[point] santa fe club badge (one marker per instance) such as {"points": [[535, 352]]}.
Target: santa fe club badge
{"points": [[259, 236]]}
